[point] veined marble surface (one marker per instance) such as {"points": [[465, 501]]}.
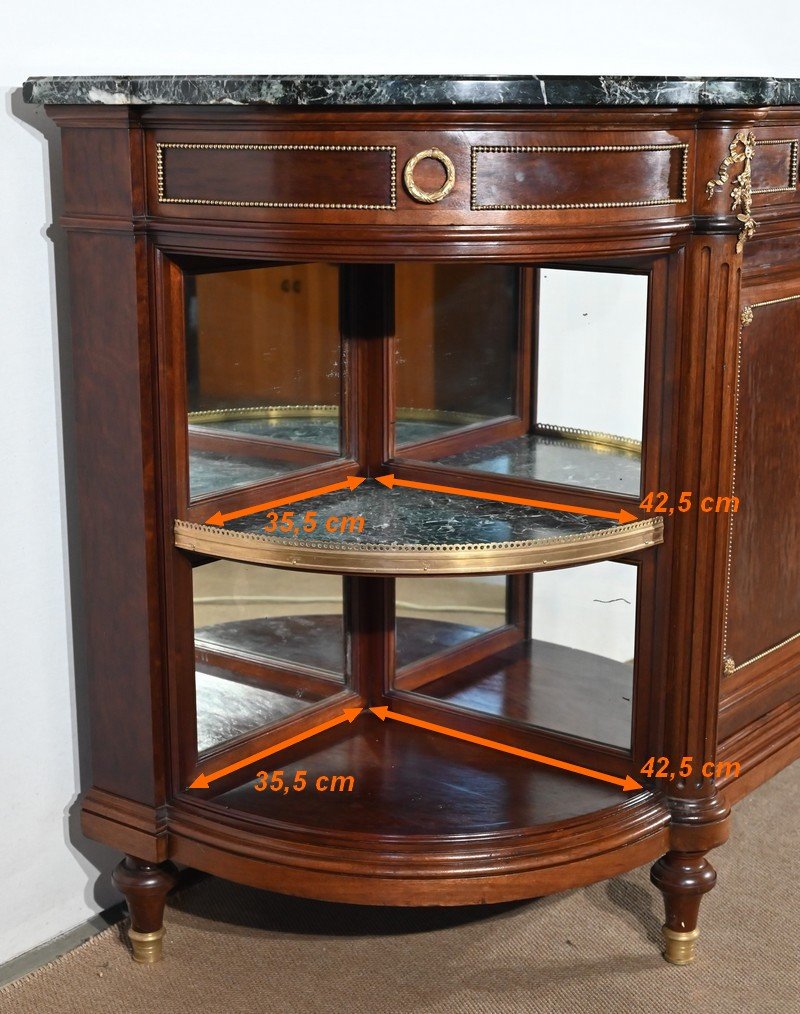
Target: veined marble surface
{"points": [[412, 90], [410, 517], [550, 458]]}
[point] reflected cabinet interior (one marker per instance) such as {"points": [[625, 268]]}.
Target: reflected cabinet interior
{"points": [[484, 370], [402, 409]]}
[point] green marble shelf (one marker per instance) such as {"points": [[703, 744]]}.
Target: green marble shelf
{"points": [[409, 531]]}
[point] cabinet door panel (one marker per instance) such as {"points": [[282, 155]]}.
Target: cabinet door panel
{"points": [[764, 605]]}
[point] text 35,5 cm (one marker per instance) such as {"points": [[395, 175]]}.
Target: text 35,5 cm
{"points": [[282, 783], [293, 523]]}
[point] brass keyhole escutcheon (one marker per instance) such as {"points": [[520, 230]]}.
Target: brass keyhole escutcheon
{"points": [[429, 196]]}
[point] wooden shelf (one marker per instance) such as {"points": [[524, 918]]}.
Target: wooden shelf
{"points": [[415, 532], [412, 782]]}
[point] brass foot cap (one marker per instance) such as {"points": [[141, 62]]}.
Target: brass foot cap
{"points": [[679, 947], [147, 947]]}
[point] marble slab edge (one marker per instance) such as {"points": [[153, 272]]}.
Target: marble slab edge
{"points": [[413, 90]]}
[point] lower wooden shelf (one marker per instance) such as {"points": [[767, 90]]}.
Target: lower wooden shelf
{"points": [[429, 821]]}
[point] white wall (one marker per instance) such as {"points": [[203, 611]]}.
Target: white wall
{"points": [[49, 873]]}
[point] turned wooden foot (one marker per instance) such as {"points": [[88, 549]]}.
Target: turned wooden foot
{"points": [[683, 878], [145, 887]]}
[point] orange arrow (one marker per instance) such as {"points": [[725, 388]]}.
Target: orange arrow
{"points": [[621, 515], [349, 483], [347, 715], [627, 783]]}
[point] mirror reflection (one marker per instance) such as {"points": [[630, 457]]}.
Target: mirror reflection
{"points": [[263, 373], [268, 645], [456, 341], [535, 409], [576, 680]]}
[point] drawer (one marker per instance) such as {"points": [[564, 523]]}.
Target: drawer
{"points": [[418, 173]]}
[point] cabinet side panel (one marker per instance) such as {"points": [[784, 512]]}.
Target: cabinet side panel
{"points": [[764, 608], [113, 386]]}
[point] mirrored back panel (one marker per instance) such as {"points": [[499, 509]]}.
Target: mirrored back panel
{"points": [[457, 341], [439, 614], [562, 658], [269, 644], [505, 361], [263, 373]]}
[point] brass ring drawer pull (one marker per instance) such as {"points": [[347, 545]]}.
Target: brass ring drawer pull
{"points": [[429, 196]]}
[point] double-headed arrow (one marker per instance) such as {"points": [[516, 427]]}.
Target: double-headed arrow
{"points": [[352, 481], [627, 783], [349, 483], [347, 715], [620, 515], [203, 781]]}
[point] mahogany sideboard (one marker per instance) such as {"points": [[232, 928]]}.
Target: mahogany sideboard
{"points": [[405, 581]]}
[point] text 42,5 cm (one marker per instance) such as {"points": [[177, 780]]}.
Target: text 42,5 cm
{"points": [[660, 503]]}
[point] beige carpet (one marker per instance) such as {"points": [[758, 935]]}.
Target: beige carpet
{"points": [[232, 949]]}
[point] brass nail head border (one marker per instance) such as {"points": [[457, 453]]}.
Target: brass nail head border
{"points": [[729, 665], [162, 146], [477, 150], [793, 143]]}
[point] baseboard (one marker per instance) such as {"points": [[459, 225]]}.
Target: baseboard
{"points": [[49, 951], [35, 958]]}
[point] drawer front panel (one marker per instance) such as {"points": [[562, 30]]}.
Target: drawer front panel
{"points": [[411, 173], [775, 166], [347, 177], [591, 176]]}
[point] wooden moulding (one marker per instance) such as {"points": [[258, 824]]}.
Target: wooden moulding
{"points": [[367, 869]]}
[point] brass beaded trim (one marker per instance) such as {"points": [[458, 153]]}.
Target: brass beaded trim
{"points": [[478, 149], [163, 199], [770, 302], [794, 142], [394, 558], [769, 651], [262, 412], [729, 666], [313, 411], [607, 441]]}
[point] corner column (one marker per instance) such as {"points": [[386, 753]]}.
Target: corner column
{"points": [[703, 431]]}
